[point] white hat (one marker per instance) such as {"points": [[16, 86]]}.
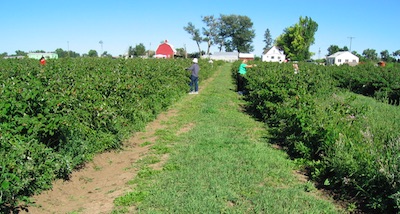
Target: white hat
{"points": [[195, 60]]}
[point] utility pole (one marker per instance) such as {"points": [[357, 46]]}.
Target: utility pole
{"points": [[351, 38], [149, 50], [68, 48], [184, 46], [319, 53]]}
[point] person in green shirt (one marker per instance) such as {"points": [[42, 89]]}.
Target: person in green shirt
{"points": [[241, 76]]}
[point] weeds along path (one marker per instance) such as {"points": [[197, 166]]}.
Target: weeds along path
{"points": [[204, 155]]}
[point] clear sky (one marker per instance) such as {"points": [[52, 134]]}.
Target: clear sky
{"points": [[79, 25]]}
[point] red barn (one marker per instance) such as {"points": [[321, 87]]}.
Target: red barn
{"points": [[165, 50]]}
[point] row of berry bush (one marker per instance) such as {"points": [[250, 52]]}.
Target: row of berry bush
{"points": [[348, 142], [55, 117]]}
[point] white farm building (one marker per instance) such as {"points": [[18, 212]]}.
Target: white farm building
{"points": [[45, 55], [225, 56], [273, 54], [342, 57]]}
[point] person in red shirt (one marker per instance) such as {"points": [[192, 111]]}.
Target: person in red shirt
{"points": [[42, 61]]}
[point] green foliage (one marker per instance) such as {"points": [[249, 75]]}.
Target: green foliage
{"points": [[139, 50], [238, 31], [297, 39], [382, 83], [56, 117], [350, 141]]}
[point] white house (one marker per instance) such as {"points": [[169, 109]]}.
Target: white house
{"points": [[342, 57], [273, 54]]}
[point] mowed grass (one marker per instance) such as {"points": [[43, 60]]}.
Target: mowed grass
{"points": [[222, 164]]}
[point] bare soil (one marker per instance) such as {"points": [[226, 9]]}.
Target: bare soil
{"points": [[93, 188]]}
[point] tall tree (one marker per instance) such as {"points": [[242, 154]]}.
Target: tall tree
{"points": [[396, 54], [61, 53], [4, 54], [195, 33], [296, 40], [181, 52], [211, 32], [333, 49], [238, 31], [106, 54], [385, 56], [220, 38], [20, 53], [370, 54], [139, 50], [130, 51], [268, 39], [92, 53]]}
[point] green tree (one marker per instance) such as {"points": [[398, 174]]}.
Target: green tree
{"points": [[61, 53], [20, 53], [268, 39], [4, 54], [238, 33], [195, 33], [180, 52], [370, 54], [385, 55], [396, 54], [139, 50], [296, 40], [211, 32], [333, 49], [93, 53], [130, 51], [105, 54]]}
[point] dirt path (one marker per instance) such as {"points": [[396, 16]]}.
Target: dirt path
{"points": [[94, 188]]}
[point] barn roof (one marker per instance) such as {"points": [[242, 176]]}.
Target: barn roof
{"points": [[170, 45]]}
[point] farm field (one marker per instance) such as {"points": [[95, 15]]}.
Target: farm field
{"points": [[163, 150], [204, 139]]}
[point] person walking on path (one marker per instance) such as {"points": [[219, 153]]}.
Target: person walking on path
{"points": [[241, 76], [194, 77]]}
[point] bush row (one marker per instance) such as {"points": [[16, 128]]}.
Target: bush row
{"points": [[382, 83], [348, 142], [55, 117]]}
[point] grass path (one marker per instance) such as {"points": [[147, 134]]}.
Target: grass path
{"points": [[219, 161]]}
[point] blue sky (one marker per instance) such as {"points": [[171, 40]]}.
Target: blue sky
{"points": [[79, 25]]}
